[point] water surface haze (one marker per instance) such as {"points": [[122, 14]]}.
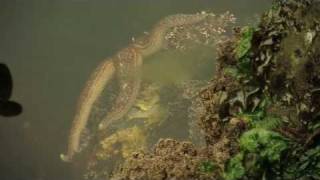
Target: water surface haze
{"points": [[52, 46]]}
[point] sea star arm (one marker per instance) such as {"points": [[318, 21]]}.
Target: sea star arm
{"points": [[92, 90]]}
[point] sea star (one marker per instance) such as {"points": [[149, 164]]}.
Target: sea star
{"points": [[126, 64]]}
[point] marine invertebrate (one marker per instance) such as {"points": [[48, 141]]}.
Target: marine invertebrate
{"points": [[126, 65], [89, 94]]}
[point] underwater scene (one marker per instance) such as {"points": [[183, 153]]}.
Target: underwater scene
{"points": [[160, 90]]}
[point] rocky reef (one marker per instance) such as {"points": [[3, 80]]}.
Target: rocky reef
{"points": [[261, 110]]}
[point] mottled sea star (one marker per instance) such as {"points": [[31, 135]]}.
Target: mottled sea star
{"points": [[126, 65]]}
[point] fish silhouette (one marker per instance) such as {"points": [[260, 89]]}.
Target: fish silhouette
{"points": [[7, 108]]}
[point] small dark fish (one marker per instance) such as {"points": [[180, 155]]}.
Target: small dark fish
{"points": [[7, 107]]}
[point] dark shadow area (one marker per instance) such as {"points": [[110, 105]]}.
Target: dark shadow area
{"points": [[7, 107]]}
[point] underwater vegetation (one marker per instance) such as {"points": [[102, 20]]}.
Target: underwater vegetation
{"points": [[268, 86], [262, 107]]}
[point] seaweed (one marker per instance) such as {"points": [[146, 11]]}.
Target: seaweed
{"points": [[304, 165], [207, 167], [280, 116], [267, 144], [235, 169], [244, 43], [241, 52]]}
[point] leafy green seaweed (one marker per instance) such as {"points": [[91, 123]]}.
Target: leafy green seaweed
{"points": [[244, 66], [235, 169], [265, 143], [244, 44], [252, 117], [267, 66], [259, 118], [207, 167], [269, 122], [306, 165], [241, 50]]}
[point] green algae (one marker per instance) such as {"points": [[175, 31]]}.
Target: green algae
{"points": [[207, 167], [235, 169], [244, 43], [267, 144]]}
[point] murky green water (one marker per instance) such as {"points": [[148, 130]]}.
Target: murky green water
{"points": [[53, 46]]}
